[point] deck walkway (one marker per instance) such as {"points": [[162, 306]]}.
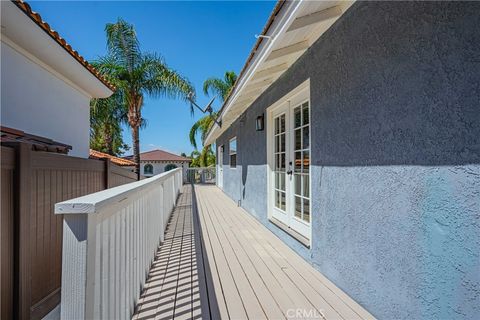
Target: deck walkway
{"points": [[218, 261]]}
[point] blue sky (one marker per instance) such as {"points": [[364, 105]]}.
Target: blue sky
{"points": [[199, 39]]}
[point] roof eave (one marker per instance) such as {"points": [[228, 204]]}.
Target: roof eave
{"points": [[290, 31], [252, 58], [28, 31]]}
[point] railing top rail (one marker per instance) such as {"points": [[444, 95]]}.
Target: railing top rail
{"points": [[96, 202]]}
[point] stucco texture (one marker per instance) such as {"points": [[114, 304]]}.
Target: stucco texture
{"points": [[37, 102], [395, 98]]}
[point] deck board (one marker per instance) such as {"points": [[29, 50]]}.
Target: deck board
{"points": [[218, 261]]}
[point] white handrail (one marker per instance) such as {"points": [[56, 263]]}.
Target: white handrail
{"points": [[109, 242], [201, 174]]}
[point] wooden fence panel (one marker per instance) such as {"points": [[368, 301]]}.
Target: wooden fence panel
{"points": [[7, 232], [54, 178], [31, 234], [118, 175]]}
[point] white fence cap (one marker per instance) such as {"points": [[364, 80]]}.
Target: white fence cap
{"points": [[95, 202]]}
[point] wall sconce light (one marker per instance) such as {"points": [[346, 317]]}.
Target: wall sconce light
{"points": [[259, 123]]}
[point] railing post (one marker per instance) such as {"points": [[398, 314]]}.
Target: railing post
{"points": [[74, 266], [161, 205], [95, 258]]}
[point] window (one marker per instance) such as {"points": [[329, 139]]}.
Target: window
{"points": [[233, 152], [170, 166], [148, 169]]}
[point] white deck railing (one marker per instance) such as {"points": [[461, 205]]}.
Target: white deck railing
{"points": [[109, 241], [201, 175]]}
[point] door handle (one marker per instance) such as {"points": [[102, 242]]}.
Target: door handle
{"points": [[289, 172]]}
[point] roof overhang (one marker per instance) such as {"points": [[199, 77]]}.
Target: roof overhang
{"points": [[291, 29], [21, 29]]}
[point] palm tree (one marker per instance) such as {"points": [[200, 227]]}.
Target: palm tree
{"points": [[137, 74], [203, 125], [220, 87], [106, 119]]}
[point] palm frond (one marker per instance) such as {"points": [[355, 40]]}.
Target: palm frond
{"points": [[161, 81], [122, 43], [215, 86], [220, 87], [193, 134], [207, 123], [230, 78], [111, 69], [201, 126]]}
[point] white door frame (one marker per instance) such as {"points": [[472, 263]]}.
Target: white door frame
{"points": [[287, 104], [282, 111], [220, 151]]}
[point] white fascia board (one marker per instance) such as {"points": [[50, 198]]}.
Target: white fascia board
{"points": [[26, 34]]}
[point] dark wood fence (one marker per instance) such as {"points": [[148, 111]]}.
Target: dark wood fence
{"points": [[38, 180], [6, 233]]}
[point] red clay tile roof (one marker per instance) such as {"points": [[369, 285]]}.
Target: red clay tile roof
{"points": [[94, 154], [160, 155], [25, 7], [38, 143]]}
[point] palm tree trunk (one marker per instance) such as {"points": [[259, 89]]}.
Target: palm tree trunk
{"points": [[136, 149]]}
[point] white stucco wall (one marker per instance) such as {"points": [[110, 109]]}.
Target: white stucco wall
{"points": [[159, 167], [38, 102]]}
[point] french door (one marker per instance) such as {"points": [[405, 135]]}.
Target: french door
{"points": [[290, 167]]}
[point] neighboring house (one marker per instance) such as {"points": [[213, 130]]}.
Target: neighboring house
{"points": [[126, 163], [46, 85], [158, 161], [353, 133]]}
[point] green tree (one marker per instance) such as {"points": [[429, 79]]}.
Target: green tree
{"points": [[201, 126], [221, 87], [195, 159], [106, 119], [137, 74]]}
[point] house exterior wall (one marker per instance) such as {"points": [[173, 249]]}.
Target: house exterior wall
{"points": [[395, 157], [159, 167], [36, 101]]}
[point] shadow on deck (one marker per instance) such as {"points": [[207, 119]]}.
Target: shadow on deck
{"points": [[218, 262], [176, 284]]}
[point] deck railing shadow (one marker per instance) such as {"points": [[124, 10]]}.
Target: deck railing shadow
{"points": [[205, 277], [110, 240], [179, 280]]}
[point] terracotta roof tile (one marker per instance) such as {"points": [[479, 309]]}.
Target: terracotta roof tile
{"points": [[25, 7], [38, 143], [160, 155], [94, 154]]}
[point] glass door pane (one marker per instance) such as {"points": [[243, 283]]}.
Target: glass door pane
{"points": [[279, 153], [301, 145]]}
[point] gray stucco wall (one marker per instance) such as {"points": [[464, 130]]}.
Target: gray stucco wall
{"points": [[395, 96]]}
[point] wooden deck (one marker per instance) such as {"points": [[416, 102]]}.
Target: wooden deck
{"points": [[220, 262]]}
